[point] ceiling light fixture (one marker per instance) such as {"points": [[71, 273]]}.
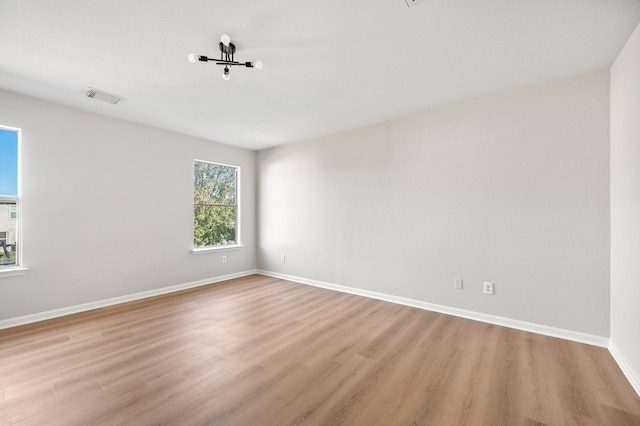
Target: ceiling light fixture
{"points": [[227, 51]]}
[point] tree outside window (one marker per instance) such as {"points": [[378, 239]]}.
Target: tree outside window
{"points": [[215, 204]]}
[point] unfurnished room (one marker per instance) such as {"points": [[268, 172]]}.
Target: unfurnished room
{"points": [[383, 212]]}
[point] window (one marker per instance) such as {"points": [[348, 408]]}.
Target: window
{"points": [[9, 201], [215, 205]]}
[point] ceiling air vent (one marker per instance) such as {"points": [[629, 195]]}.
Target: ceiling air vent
{"points": [[92, 93], [411, 2]]}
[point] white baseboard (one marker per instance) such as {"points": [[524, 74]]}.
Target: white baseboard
{"points": [[41, 316], [476, 316], [630, 374]]}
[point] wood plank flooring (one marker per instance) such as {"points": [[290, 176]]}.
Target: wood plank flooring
{"points": [[263, 351]]}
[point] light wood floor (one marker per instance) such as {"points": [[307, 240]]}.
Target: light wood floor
{"points": [[259, 350]]}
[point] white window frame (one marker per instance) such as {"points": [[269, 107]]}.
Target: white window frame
{"points": [[18, 268], [238, 240]]}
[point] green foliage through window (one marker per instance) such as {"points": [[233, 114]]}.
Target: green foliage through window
{"points": [[215, 204]]}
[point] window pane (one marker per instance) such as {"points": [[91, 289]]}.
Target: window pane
{"points": [[8, 162], [214, 225], [8, 221], [214, 183]]}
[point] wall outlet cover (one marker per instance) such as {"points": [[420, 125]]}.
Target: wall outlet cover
{"points": [[457, 283]]}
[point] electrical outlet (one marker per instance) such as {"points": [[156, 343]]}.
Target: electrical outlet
{"points": [[282, 258], [224, 259], [487, 288], [457, 283]]}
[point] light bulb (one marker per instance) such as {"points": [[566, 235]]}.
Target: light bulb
{"points": [[192, 58], [258, 65], [225, 39], [225, 74]]}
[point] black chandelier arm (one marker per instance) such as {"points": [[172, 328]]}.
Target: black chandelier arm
{"points": [[203, 58], [232, 63]]}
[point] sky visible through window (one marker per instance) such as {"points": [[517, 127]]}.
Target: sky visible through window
{"points": [[8, 162]]}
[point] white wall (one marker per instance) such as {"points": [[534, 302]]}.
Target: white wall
{"points": [[625, 207], [512, 188], [107, 208]]}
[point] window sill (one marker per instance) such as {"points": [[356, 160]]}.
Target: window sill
{"points": [[10, 272], [204, 250]]}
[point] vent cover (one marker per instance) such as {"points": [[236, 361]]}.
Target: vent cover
{"points": [[411, 2], [92, 93]]}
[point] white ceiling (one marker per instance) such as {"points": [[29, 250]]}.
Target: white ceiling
{"points": [[330, 65]]}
